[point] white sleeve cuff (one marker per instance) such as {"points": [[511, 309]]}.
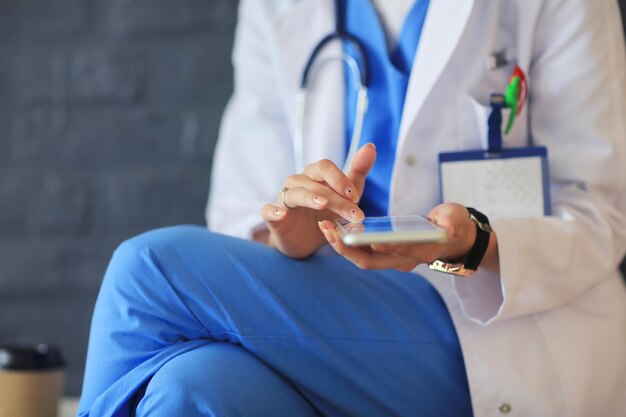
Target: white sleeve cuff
{"points": [[487, 296]]}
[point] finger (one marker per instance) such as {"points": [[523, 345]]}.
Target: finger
{"points": [[361, 165], [302, 181], [271, 213], [336, 203], [407, 268], [419, 252], [461, 230], [449, 216], [364, 258], [326, 171], [302, 197]]}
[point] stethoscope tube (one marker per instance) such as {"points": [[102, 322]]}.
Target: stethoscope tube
{"points": [[360, 72], [364, 70]]}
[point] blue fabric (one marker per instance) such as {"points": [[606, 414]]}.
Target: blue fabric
{"points": [[192, 323], [207, 381], [389, 81]]}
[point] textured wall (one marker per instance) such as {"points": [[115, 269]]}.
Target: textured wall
{"points": [[108, 115]]}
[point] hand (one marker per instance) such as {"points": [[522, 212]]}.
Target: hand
{"points": [[321, 192], [405, 257]]}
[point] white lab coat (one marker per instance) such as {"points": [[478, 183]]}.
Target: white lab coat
{"points": [[547, 337]]}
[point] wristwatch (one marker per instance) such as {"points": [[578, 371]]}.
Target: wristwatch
{"points": [[476, 254]]}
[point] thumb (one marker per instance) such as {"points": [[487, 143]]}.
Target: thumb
{"points": [[362, 163]]}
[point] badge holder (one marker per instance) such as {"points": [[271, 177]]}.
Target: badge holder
{"points": [[501, 182]]}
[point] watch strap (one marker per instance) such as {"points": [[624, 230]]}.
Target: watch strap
{"points": [[483, 229]]}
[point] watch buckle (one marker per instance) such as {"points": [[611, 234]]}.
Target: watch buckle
{"points": [[451, 268]]}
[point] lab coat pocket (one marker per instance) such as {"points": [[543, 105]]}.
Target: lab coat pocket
{"points": [[474, 125], [473, 117]]}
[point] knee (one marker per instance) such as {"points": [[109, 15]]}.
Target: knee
{"points": [[138, 261], [168, 394], [155, 241], [185, 385], [220, 380]]}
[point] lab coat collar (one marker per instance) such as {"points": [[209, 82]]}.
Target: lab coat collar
{"points": [[445, 23], [298, 28], [302, 24]]}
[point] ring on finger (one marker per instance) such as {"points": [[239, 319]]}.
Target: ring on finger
{"points": [[283, 192]]}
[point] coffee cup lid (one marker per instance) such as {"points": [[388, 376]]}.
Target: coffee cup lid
{"points": [[41, 357]]}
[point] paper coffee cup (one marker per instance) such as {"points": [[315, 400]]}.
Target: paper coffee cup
{"points": [[31, 380]]}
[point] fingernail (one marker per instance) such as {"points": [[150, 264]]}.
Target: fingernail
{"points": [[352, 195], [279, 212], [372, 145], [357, 215], [328, 235], [320, 201], [379, 248]]}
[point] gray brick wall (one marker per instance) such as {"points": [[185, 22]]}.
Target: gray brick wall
{"points": [[108, 115]]}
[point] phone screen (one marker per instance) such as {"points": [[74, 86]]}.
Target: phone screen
{"points": [[390, 229]]}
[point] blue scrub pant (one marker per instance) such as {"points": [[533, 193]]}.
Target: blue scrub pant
{"points": [[191, 323]]}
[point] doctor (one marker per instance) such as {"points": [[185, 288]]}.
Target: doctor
{"points": [[193, 323]]}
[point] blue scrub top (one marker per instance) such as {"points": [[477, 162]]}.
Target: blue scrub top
{"points": [[389, 74]]}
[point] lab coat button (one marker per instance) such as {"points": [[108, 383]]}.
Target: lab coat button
{"points": [[410, 160], [505, 408]]}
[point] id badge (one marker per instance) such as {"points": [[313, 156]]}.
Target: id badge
{"points": [[499, 182], [510, 183]]}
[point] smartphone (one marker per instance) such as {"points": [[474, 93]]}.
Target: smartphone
{"points": [[390, 229]]}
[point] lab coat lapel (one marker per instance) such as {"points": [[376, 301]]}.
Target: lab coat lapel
{"points": [[445, 23], [299, 28]]}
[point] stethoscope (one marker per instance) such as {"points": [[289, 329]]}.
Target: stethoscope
{"points": [[360, 70]]}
